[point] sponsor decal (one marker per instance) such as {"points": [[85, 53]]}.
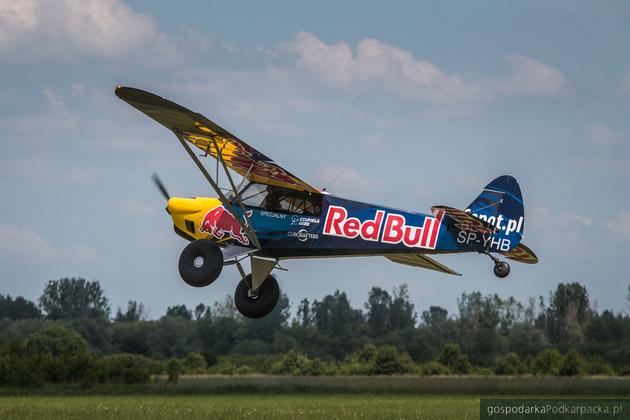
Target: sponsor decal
{"points": [[388, 228], [303, 235], [218, 221], [508, 227], [273, 214], [303, 220]]}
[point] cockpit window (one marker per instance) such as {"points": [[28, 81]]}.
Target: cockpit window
{"points": [[271, 198]]}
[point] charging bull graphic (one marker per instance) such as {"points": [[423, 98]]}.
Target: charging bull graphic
{"points": [[219, 221]]}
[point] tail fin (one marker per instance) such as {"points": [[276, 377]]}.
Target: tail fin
{"points": [[501, 205]]}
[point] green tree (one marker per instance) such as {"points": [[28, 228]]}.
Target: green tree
{"points": [[70, 298], [131, 337], [567, 315], [18, 308], [179, 311], [304, 314], [173, 336], [341, 328], [401, 310], [135, 312], [378, 309], [200, 311], [434, 317]]}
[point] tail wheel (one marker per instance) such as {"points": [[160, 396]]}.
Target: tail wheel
{"points": [[256, 303], [200, 263], [501, 269]]}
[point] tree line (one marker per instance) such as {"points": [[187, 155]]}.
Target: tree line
{"points": [[561, 335]]}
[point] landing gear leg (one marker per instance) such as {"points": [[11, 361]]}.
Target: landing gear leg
{"points": [[501, 268]]}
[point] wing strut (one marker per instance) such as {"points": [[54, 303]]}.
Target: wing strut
{"points": [[237, 196], [228, 205]]}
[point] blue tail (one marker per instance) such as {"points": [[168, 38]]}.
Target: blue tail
{"points": [[501, 204]]}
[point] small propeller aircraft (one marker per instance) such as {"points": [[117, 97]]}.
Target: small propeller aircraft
{"points": [[272, 215]]}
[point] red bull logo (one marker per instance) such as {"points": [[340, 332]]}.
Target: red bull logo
{"points": [[390, 228], [218, 222]]}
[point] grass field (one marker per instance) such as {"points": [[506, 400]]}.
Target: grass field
{"points": [[257, 406], [273, 397]]}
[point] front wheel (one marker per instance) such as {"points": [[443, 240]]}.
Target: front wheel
{"points": [[200, 263], [256, 303], [501, 269]]}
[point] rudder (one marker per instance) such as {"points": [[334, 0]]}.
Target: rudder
{"points": [[501, 205]]}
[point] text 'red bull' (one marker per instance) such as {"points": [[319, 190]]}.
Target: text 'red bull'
{"points": [[390, 229], [219, 221]]}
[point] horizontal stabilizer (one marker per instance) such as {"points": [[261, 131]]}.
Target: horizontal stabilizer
{"points": [[523, 254], [466, 221], [420, 260]]}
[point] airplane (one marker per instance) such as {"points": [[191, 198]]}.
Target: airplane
{"points": [[272, 215]]}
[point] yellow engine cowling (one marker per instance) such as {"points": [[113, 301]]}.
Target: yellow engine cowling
{"points": [[188, 215]]}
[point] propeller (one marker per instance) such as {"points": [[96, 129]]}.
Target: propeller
{"points": [[158, 183]]}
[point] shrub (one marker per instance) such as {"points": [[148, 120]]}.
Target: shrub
{"points": [[292, 363], [19, 371], [389, 361], [194, 363], [597, 366], [573, 364], [125, 368], [453, 358], [173, 370], [510, 364], [623, 370], [244, 370], [60, 354], [434, 368], [547, 362]]}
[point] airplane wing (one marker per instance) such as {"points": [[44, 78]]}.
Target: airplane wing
{"points": [[420, 260], [466, 221], [521, 253], [203, 133]]}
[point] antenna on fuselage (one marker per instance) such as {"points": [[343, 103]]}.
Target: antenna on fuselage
{"points": [[345, 168]]}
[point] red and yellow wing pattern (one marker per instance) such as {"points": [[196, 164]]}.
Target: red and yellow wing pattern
{"points": [[203, 133], [521, 253]]}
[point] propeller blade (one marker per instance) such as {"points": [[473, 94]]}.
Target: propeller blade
{"points": [[158, 183]]}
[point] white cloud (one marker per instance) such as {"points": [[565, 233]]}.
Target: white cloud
{"points": [[538, 216], [531, 77], [620, 225], [576, 218], [346, 180], [376, 61], [137, 208], [401, 72], [91, 27], [601, 136], [23, 242]]}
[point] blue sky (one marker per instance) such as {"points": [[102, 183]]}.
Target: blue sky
{"points": [[423, 103]]}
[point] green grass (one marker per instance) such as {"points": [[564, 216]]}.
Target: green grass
{"points": [[257, 406], [322, 385], [288, 397]]}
